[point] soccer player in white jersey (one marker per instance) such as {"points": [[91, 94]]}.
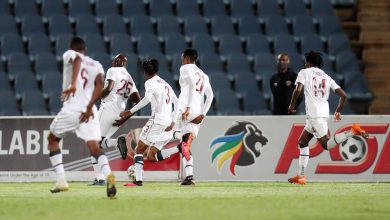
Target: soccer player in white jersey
{"points": [[119, 86], [158, 130], [82, 86], [316, 85]]}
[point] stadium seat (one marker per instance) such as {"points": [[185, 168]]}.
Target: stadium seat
{"points": [[5, 8], [141, 24], [133, 66], [176, 64], [194, 25], [338, 43], [328, 66], [284, 43], [275, 24], [38, 43], [254, 101], [203, 43], [8, 100], [25, 7], [145, 111], [347, 62], [9, 112], [55, 103], [237, 63], [303, 24], [212, 8], [333, 101], [160, 7], [247, 25], [328, 25], [44, 63], [321, 7], [121, 43], [79, 7], [293, 8], [221, 25], [132, 8], [174, 44], [4, 82], [33, 103], [265, 63], [95, 43], [18, 62], [257, 43], [147, 44], [226, 100], [62, 42], [59, 24], [86, 24], [185, 8], [10, 44], [267, 8], [296, 62], [7, 25], [167, 24], [311, 42], [32, 24], [245, 81], [52, 7], [240, 8], [113, 24], [266, 87], [103, 58], [162, 61], [25, 81], [104, 8], [210, 62], [229, 44], [356, 87], [219, 81], [235, 112], [51, 82]]}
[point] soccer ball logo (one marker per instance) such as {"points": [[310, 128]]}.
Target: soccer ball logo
{"points": [[353, 149]]}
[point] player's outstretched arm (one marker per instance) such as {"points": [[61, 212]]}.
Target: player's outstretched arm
{"points": [[340, 106], [135, 98], [295, 95]]}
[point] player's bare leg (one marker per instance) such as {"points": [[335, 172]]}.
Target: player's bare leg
{"points": [[56, 161], [304, 153]]}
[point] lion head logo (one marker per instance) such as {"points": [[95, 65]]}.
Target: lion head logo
{"points": [[242, 143]]}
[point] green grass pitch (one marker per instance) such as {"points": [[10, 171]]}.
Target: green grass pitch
{"points": [[207, 200]]}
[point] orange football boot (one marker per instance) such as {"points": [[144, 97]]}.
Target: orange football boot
{"points": [[297, 180], [357, 130]]}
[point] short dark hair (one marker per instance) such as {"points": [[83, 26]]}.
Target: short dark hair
{"points": [[191, 53], [77, 44], [150, 66], [314, 58]]}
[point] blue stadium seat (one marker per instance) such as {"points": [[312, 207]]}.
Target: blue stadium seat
{"points": [[38, 43], [347, 62], [32, 24], [237, 63], [356, 87], [194, 25], [59, 24], [321, 7], [132, 8], [266, 88], [311, 42], [86, 24], [141, 24], [167, 24], [51, 83], [245, 81], [7, 25], [25, 81], [121, 43], [185, 8], [104, 8], [221, 25], [328, 66], [79, 7], [229, 44], [95, 43], [5, 8], [55, 103], [4, 82], [296, 62], [254, 101], [18, 62], [160, 7], [8, 100], [338, 43], [275, 24], [176, 64], [45, 63], [162, 61], [147, 44], [240, 8], [113, 24], [25, 7], [52, 7], [62, 42], [267, 8], [10, 44], [303, 24], [9, 112], [232, 112], [133, 66], [203, 43], [226, 100], [219, 81], [174, 44], [213, 8], [293, 8], [247, 25], [328, 25], [257, 43], [284, 43], [210, 62], [333, 101], [103, 58], [33, 103], [265, 63]]}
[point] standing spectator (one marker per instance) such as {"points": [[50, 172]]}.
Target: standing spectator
{"points": [[282, 85]]}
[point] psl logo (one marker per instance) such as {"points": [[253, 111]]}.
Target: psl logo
{"points": [[242, 143]]}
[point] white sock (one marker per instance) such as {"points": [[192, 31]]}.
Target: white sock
{"points": [[109, 142], [337, 139], [56, 162], [188, 166], [138, 166], [98, 173], [166, 153], [103, 166], [303, 160]]}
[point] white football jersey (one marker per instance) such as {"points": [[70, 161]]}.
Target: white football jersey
{"points": [[124, 86], [192, 74], [85, 83], [160, 94], [316, 89]]}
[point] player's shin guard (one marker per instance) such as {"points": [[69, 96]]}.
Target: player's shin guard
{"points": [[56, 162], [98, 173], [303, 159], [138, 166], [338, 138], [188, 166], [102, 164]]}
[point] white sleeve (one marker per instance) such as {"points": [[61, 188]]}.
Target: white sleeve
{"points": [[150, 88], [333, 85], [110, 75], [300, 78], [69, 56], [208, 91], [140, 104]]}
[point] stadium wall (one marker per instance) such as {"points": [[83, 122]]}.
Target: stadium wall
{"points": [[242, 148]]}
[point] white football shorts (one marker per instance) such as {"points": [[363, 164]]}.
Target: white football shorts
{"points": [[106, 118], [187, 126], [155, 135], [317, 126]]}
